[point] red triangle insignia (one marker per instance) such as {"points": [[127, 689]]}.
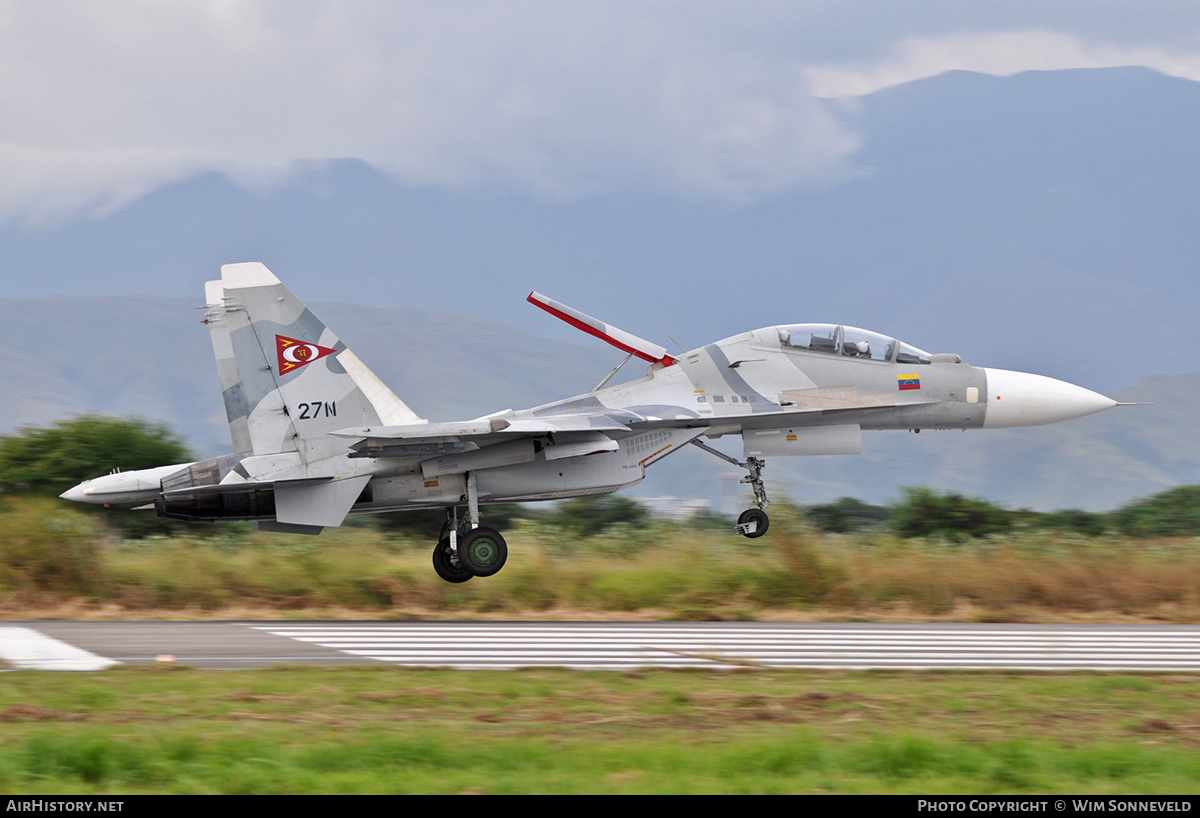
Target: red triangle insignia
{"points": [[294, 354]]}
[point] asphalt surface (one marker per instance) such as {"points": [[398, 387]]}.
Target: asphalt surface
{"points": [[217, 645], [61, 645]]}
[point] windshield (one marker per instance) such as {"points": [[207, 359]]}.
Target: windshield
{"points": [[911, 355]]}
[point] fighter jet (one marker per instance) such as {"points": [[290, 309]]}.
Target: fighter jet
{"points": [[317, 436]]}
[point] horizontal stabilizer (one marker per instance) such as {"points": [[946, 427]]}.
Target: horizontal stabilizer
{"points": [[303, 501], [320, 504], [622, 340]]}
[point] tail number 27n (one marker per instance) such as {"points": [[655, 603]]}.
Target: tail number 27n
{"points": [[318, 409]]}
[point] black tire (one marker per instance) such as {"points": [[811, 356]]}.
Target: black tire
{"points": [[756, 515], [447, 567], [482, 551]]}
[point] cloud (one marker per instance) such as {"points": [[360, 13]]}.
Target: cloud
{"points": [[103, 101], [999, 53]]}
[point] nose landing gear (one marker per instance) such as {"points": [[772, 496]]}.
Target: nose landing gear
{"points": [[752, 522]]}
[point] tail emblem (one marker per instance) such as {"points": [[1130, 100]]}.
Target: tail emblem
{"points": [[294, 354]]}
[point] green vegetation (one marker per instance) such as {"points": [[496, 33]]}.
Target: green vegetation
{"points": [[44, 462], [1174, 513], [928, 555], [924, 512], [46, 547], [848, 514], [383, 730], [587, 516], [583, 516], [49, 461], [352, 730], [59, 561]]}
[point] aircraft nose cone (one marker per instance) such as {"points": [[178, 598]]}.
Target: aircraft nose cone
{"points": [[75, 493], [1024, 399]]}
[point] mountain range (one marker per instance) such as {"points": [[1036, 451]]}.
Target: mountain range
{"points": [[150, 358], [1041, 222]]}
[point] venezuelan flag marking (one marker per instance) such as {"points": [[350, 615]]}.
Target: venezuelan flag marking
{"points": [[908, 382]]}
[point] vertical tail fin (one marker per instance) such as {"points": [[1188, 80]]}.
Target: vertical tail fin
{"points": [[286, 378]]}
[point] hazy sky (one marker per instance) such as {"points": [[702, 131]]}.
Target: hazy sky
{"points": [[103, 101]]}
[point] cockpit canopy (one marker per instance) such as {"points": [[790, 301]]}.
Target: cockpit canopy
{"points": [[849, 342]]}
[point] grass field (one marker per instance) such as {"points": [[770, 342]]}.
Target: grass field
{"points": [[386, 730], [381, 730], [56, 562]]}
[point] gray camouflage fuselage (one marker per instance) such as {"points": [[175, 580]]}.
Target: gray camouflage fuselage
{"points": [[317, 435]]}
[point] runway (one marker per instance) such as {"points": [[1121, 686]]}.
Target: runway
{"points": [[602, 646]]}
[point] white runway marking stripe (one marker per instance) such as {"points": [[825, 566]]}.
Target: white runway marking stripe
{"points": [[620, 646], [26, 649]]}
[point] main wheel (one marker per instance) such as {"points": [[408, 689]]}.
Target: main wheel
{"points": [[447, 566], [756, 516], [482, 551]]}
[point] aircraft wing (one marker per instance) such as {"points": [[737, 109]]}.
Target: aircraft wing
{"points": [[494, 425], [574, 432], [599, 428]]}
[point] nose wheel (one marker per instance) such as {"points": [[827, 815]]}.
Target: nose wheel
{"points": [[752, 522]]}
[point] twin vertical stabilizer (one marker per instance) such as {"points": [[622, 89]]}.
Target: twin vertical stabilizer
{"points": [[285, 377]]}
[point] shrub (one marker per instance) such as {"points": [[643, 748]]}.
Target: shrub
{"points": [[924, 512], [49, 461], [847, 514], [1173, 513], [587, 516], [45, 547]]}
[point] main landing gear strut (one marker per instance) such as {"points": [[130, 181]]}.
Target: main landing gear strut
{"points": [[752, 522], [466, 549]]}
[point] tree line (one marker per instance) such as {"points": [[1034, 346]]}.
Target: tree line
{"points": [[48, 460]]}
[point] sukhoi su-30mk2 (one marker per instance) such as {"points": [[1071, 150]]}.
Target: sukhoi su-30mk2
{"points": [[317, 436]]}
